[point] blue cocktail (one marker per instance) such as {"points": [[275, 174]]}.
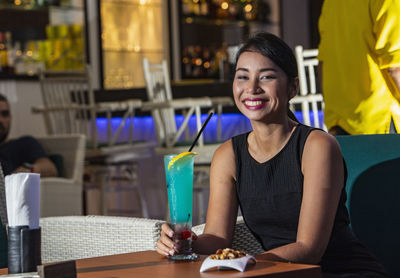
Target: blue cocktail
{"points": [[179, 177]]}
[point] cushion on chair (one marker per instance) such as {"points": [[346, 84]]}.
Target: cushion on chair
{"points": [[374, 208], [361, 152], [373, 190]]}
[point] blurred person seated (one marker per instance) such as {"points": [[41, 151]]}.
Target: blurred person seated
{"points": [[23, 154]]}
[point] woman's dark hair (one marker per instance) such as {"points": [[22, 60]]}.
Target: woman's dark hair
{"points": [[273, 48]]}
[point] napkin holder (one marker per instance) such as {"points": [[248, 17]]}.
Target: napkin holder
{"points": [[24, 249]]}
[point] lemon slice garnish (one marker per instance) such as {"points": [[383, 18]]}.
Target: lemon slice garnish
{"points": [[182, 157]]}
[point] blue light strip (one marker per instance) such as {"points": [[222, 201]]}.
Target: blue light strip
{"points": [[233, 124]]}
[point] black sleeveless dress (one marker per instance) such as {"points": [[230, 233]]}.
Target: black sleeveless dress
{"points": [[270, 196]]}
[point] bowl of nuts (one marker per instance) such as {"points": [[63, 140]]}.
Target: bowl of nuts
{"points": [[227, 258]]}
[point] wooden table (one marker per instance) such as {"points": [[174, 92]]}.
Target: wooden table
{"points": [[152, 265]]}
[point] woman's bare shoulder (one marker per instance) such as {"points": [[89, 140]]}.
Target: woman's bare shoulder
{"points": [[224, 157], [321, 140], [225, 149], [323, 145]]}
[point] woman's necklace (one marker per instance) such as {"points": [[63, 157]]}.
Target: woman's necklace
{"points": [[259, 153]]}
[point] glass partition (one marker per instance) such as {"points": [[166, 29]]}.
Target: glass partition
{"points": [[130, 31]]}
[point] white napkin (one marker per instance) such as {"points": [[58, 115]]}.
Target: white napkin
{"points": [[22, 197], [238, 264]]}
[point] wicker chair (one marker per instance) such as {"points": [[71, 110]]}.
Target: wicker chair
{"points": [[77, 237], [62, 195], [243, 239]]}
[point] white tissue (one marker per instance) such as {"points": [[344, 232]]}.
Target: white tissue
{"points": [[23, 199], [238, 264]]}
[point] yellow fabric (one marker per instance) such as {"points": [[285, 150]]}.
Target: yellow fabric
{"points": [[360, 40]]}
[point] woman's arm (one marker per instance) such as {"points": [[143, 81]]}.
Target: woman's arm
{"points": [[323, 171], [222, 208]]}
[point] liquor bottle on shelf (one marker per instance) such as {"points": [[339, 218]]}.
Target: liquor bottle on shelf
{"points": [[222, 9], [19, 64], [191, 7], [186, 60], [221, 59], [10, 53], [27, 56], [197, 61], [196, 8], [206, 62], [33, 63], [249, 10], [3, 54], [204, 8], [235, 10], [186, 7]]}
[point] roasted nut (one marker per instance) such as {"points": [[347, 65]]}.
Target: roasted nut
{"points": [[231, 256], [227, 253]]}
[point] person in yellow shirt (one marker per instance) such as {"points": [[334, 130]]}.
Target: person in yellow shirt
{"points": [[359, 53]]}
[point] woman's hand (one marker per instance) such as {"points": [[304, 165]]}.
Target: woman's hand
{"points": [[166, 245]]}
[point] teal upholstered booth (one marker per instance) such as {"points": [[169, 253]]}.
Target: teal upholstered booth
{"points": [[373, 192]]}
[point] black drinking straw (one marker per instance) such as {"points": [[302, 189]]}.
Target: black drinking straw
{"points": [[200, 131]]}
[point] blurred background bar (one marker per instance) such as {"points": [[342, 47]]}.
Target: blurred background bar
{"points": [[197, 38]]}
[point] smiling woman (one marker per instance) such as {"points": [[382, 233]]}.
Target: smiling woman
{"points": [[287, 178], [260, 87], [262, 71]]}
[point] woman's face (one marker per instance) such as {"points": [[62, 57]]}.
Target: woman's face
{"points": [[260, 88]]}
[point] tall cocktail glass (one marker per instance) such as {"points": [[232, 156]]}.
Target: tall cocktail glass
{"points": [[179, 179]]}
